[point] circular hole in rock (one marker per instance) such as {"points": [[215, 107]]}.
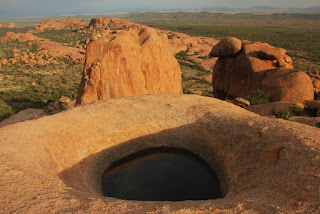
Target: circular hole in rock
{"points": [[161, 176]]}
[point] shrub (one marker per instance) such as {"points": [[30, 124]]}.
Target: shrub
{"points": [[203, 57], [187, 91], [203, 81], [284, 114], [296, 108], [259, 97], [207, 93]]}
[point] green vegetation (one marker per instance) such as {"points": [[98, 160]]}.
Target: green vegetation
{"points": [[184, 61], [284, 114], [3, 31], [259, 97], [6, 48], [296, 108], [25, 86], [69, 37], [298, 33], [193, 76]]}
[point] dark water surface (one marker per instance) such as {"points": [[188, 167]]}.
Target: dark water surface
{"points": [[162, 177]]}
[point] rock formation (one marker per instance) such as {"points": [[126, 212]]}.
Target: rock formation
{"points": [[45, 46], [20, 37], [229, 46], [182, 42], [127, 63], [288, 85], [55, 163], [69, 23], [10, 25], [243, 73], [112, 24]]}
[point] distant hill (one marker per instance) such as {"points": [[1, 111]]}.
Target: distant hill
{"points": [[263, 8]]}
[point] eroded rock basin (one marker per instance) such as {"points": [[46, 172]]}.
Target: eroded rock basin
{"points": [[55, 164], [161, 176]]}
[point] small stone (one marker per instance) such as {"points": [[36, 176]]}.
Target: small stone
{"points": [[239, 101], [64, 100]]}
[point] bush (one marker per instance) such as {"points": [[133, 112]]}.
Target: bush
{"points": [[259, 97], [284, 114], [203, 81], [296, 108], [207, 93], [187, 91]]}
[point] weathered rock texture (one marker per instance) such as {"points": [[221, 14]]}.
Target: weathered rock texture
{"points": [[182, 42], [10, 25], [129, 63], [112, 24], [44, 46], [229, 46], [54, 164], [242, 74], [27, 114], [69, 23], [288, 85], [20, 37]]}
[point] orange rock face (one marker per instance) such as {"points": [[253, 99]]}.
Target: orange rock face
{"points": [[61, 23], [128, 63], [242, 74], [54, 164], [227, 47], [45, 46], [20, 37], [10, 25], [112, 24], [288, 85], [182, 42]]}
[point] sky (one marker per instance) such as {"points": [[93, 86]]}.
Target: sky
{"points": [[22, 8]]}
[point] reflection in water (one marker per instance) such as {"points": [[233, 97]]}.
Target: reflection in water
{"points": [[162, 177]]}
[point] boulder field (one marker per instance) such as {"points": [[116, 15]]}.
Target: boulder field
{"points": [[127, 63], [54, 164]]}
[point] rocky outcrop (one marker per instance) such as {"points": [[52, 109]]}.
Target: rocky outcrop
{"points": [[44, 47], [112, 24], [314, 106], [69, 23], [182, 42], [288, 85], [243, 73], [128, 63], [10, 25], [26, 114], [56, 162], [20, 37], [229, 46]]}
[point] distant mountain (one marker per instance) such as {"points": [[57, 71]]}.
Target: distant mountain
{"points": [[314, 8], [262, 8]]}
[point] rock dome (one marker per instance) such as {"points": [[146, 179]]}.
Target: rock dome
{"points": [[54, 164]]}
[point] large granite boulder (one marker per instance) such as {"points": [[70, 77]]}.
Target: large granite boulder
{"points": [[55, 163], [128, 63], [288, 85], [242, 73], [229, 46]]}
